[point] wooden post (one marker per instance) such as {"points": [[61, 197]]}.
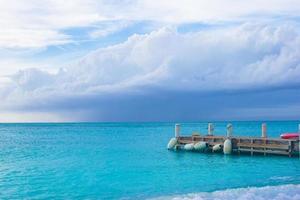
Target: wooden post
{"points": [[210, 129], [290, 148], [264, 130], [265, 144], [239, 141], [251, 147], [229, 130], [299, 147], [177, 130], [299, 128]]}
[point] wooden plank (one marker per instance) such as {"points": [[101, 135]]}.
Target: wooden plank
{"points": [[190, 141], [267, 146], [240, 138], [269, 139], [184, 141], [214, 143], [267, 151]]}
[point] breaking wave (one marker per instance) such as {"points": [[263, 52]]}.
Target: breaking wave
{"points": [[282, 192]]}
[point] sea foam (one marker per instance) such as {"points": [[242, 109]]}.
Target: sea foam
{"points": [[282, 192]]}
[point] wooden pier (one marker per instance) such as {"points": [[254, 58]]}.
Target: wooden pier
{"points": [[252, 145]]}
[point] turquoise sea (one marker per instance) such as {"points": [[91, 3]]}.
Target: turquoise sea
{"points": [[130, 161]]}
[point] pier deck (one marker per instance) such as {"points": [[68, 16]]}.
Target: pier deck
{"points": [[250, 145]]}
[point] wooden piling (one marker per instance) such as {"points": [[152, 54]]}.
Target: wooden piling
{"points": [[177, 130], [264, 130], [210, 129], [229, 130]]}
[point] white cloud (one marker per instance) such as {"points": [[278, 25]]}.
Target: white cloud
{"points": [[36, 24], [107, 28], [241, 57], [22, 38], [213, 10]]}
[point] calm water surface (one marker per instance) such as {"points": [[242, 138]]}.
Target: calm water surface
{"points": [[128, 161]]}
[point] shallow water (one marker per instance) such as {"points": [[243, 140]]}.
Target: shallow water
{"points": [[129, 161]]}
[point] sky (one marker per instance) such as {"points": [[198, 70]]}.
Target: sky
{"points": [[134, 60]]}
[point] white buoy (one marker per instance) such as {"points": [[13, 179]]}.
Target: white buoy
{"points": [[217, 147], [177, 130], [264, 130], [227, 146], [172, 143], [210, 129], [199, 146], [189, 147]]}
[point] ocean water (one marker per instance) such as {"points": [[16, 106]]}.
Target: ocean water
{"points": [[130, 161]]}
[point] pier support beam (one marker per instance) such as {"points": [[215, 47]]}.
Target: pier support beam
{"points": [[299, 139], [264, 130], [177, 130], [210, 129], [229, 130]]}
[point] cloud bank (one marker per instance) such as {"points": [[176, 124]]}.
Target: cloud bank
{"points": [[251, 56], [239, 57]]}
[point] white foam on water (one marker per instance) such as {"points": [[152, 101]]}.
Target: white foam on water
{"points": [[283, 178], [282, 192]]}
